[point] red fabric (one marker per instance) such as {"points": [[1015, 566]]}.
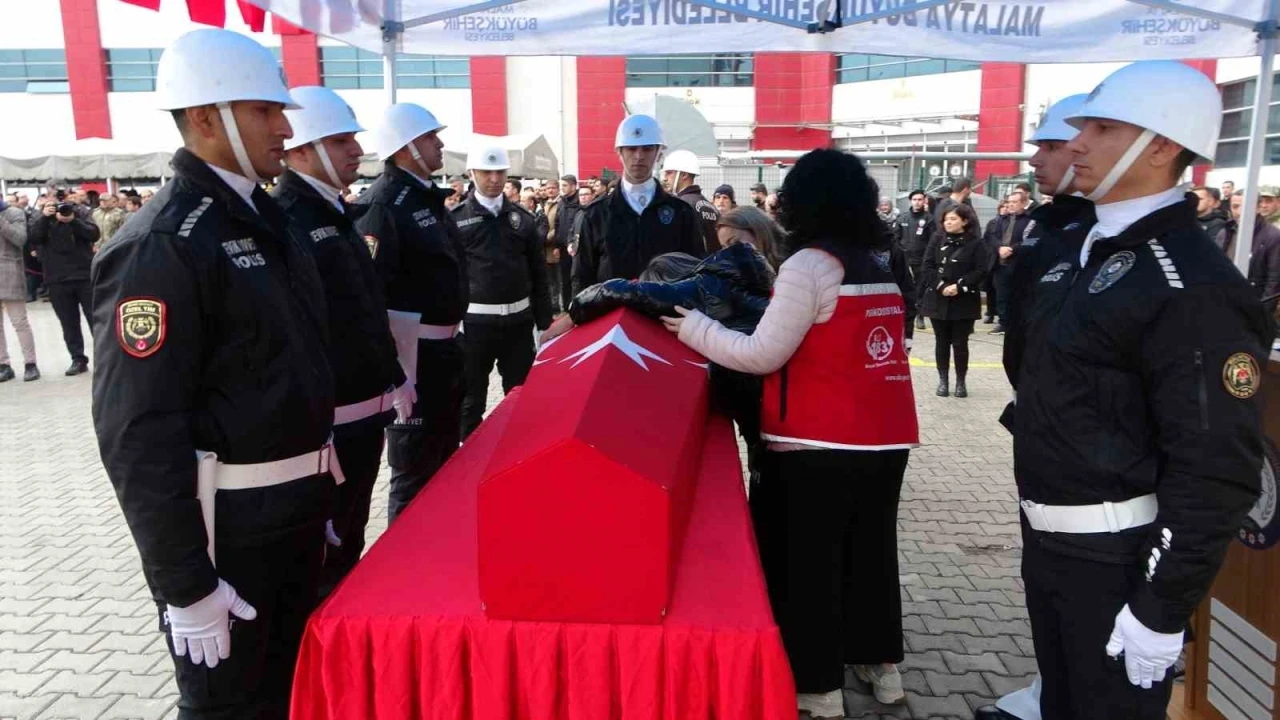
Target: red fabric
{"points": [[849, 382], [405, 635], [583, 510], [254, 16], [208, 12], [280, 26], [148, 4]]}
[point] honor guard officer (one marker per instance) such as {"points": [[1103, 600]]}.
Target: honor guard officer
{"points": [[1137, 433], [212, 389], [508, 283], [323, 157], [679, 175], [622, 232], [423, 268]]}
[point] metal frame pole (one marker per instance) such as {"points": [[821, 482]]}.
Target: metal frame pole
{"points": [[1257, 138], [392, 28]]}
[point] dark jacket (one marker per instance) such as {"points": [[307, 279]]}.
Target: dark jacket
{"points": [[617, 243], [1264, 262], [889, 255], [708, 216], [567, 211], [954, 259], [232, 326], [362, 354], [1008, 231], [66, 249], [416, 247], [914, 231], [505, 261], [1213, 222], [1140, 376]]}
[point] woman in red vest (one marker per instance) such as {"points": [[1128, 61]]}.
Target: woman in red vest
{"points": [[839, 417]]}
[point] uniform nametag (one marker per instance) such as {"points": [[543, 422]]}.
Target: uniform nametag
{"points": [[470, 221], [140, 325], [424, 218], [324, 233], [1055, 274], [244, 253]]}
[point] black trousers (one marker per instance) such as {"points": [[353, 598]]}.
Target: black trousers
{"points": [[1073, 603], [566, 280], [510, 345], [1001, 280], [418, 447], [949, 336], [826, 524], [270, 547], [70, 300], [993, 294], [359, 447]]}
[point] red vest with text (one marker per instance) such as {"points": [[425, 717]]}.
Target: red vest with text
{"points": [[848, 385]]}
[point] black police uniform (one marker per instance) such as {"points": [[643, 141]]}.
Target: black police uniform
{"points": [[914, 231], [616, 242], [1138, 375], [506, 266], [361, 353], [567, 211], [424, 270], [708, 216], [225, 353]]}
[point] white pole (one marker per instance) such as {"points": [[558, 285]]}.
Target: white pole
{"points": [[1257, 141], [390, 35]]}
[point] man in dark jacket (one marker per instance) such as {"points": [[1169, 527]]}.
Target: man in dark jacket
{"points": [[623, 231], [958, 192], [423, 268], [212, 387], [323, 158], [1005, 241], [566, 212], [679, 176], [65, 241], [1264, 261], [508, 286], [914, 230], [1209, 211]]}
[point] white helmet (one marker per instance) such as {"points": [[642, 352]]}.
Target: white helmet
{"points": [[322, 113], [401, 124], [211, 66], [488, 158], [1166, 97], [1053, 124], [682, 161], [638, 131]]}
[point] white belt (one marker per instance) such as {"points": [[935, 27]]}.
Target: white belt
{"points": [[437, 332], [363, 409], [212, 476], [1084, 519], [498, 309]]}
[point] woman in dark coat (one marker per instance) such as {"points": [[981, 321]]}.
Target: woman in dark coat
{"points": [[955, 264]]}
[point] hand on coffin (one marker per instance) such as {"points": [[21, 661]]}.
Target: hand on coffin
{"points": [[673, 323], [559, 326]]}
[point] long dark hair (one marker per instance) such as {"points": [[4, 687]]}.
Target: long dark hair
{"points": [[828, 196], [969, 217]]}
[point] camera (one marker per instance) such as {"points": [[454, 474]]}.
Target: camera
{"points": [[66, 209]]}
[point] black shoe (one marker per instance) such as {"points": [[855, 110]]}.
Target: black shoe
{"points": [[78, 367], [944, 388], [32, 373], [919, 323], [997, 330], [988, 319], [991, 712], [961, 390], [6, 373]]}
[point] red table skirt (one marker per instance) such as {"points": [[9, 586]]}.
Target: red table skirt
{"points": [[405, 635]]}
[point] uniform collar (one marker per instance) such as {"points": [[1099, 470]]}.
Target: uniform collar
{"points": [[631, 193], [1115, 218], [330, 193], [238, 183], [493, 205], [427, 183]]}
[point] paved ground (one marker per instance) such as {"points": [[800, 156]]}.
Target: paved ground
{"points": [[78, 635]]}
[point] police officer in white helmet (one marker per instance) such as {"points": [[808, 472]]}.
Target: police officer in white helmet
{"points": [[423, 268], [508, 282], [622, 232], [1137, 436], [680, 172], [213, 398], [370, 388]]}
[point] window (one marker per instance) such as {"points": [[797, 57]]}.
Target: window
{"points": [[348, 68], [33, 71], [1237, 116], [720, 70], [856, 67], [132, 69]]}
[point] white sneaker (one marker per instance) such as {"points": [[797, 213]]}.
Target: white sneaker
{"points": [[885, 682], [822, 705]]}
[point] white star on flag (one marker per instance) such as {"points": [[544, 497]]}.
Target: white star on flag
{"points": [[616, 337]]}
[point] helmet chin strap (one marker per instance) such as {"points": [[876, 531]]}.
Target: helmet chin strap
{"points": [[328, 164], [1122, 166], [1065, 182], [237, 145], [417, 157]]}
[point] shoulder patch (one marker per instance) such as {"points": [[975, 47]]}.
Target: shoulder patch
{"points": [[1240, 376], [400, 198], [371, 242], [1166, 263], [140, 325], [190, 221]]}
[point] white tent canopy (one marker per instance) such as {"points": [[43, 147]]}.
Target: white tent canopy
{"points": [[1043, 31], [88, 159], [531, 156]]}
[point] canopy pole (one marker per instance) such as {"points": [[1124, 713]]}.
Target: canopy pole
{"points": [[391, 30], [1257, 138]]}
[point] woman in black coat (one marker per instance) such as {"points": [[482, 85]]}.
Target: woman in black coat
{"points": [[955, 264]]}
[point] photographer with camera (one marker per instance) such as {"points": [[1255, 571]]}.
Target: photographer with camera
{"points": [[64, 240]]}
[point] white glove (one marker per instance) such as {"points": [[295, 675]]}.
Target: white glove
{"points": [[330, 535], [204, 627], [1147, 653], [402, 399], [404, 330]]}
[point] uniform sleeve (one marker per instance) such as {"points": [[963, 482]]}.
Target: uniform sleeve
{"points": [[1201, 364], [378, 223], [585, 262], [1021, 284], [144, 408], [695, 241], [537, 258]]}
